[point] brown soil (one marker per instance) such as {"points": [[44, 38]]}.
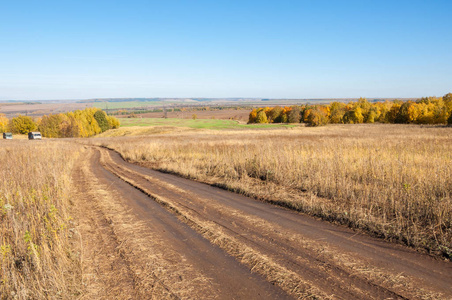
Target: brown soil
{"points": [[225, 114], [223, 245], [133, 248]]}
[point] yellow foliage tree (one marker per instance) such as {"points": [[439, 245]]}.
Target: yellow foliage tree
{"points": [[3, 123], [261, 116], [114, 122], [22, 124], [252, 117]]}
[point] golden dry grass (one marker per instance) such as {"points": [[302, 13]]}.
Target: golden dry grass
{"points": [[391, 180], [36, 256]]}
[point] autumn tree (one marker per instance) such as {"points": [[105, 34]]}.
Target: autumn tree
{"points": [[252, 116], [403, 115], [49, 126], [285, 114], [113, 122], [3, 123], [69, 126], [393, 112], [318, 116], [275, 114], [22, 124], [354, 116], [337, 111], [261, 116], [365, 107], [294, 115]]}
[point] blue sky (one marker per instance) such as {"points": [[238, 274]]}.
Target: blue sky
{"points": [[270, 49]]}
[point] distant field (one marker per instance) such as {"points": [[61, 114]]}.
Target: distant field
{"points": [[199, 123], [39, 109], [223, 114], [126, 104]]}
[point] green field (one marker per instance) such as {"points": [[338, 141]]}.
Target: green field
{"points": [[200, 123]]}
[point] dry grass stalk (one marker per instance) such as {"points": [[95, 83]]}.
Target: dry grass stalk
{"points": [[36, 255]]}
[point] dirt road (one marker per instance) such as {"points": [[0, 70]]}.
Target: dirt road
{"points": [[166, 236]]}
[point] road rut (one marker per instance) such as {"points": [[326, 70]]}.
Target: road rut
{"points": [[303, 256], [189, 267]]}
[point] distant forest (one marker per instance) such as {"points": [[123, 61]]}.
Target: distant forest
{"points": [[427, 110]]}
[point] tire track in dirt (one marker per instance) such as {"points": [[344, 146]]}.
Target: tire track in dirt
{"points": [[98, 248], [165, 258], [332, 259]]}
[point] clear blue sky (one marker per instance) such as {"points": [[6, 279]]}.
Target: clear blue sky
{"points": [[271, 49]]}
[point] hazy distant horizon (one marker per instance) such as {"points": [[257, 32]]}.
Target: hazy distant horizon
{"points": [[213, 98]]}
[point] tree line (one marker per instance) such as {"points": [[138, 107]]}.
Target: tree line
{"points": [[79, 123], [427, 110]]}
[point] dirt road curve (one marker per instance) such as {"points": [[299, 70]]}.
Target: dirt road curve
{"points": [[212, 244]]}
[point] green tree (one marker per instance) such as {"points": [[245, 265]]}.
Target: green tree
{"points": [[101, 119]]}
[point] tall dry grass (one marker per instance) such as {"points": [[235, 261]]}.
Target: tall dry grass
{"points": [[37, 260], [392, 180]]}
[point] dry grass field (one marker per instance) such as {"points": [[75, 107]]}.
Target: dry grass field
{"points": [[37, 260], [393, 181], [74, 218]]}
